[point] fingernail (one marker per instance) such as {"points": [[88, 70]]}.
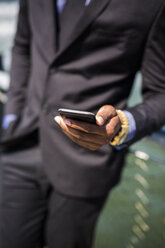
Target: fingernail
{"points": [[100, 120], [57, 119], [67, 122]]}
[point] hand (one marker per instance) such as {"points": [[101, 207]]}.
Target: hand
{"points": [[92, 136]]}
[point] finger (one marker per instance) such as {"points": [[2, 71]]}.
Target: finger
{"points": [[87, 137], [105, 113], [60, 122], [76, 136], [88, 145], [97, 140], [113, 127], [85, 127]]}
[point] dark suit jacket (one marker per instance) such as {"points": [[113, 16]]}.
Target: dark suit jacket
{"points": [[85, 60]]}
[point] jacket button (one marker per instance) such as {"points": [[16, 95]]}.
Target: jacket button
{"points": [[52, 70]]}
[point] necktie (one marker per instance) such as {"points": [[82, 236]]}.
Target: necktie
{"points": [[67, 18]]}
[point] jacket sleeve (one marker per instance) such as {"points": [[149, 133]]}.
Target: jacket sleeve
{"points": [[20, 67], [150, 115]]}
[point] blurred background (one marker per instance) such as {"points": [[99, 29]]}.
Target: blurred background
{"points": [[134, 215]]}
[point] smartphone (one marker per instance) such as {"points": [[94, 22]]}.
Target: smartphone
{"points": [[78, 115]]}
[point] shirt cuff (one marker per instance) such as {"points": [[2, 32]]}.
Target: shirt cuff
{"points": [[132, 126], [132, 130], [7, 119]]}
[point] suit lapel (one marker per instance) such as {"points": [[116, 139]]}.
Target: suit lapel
{"points": [[84, 19], [48, 29], [47, 21], [68, 20]]}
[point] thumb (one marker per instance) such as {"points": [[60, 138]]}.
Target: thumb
{"points": [[104, 114]]}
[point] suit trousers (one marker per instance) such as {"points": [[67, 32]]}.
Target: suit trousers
{"points": [[33, 214]]}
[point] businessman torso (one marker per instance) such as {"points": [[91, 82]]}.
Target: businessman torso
{"points": [[81, 62]]}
